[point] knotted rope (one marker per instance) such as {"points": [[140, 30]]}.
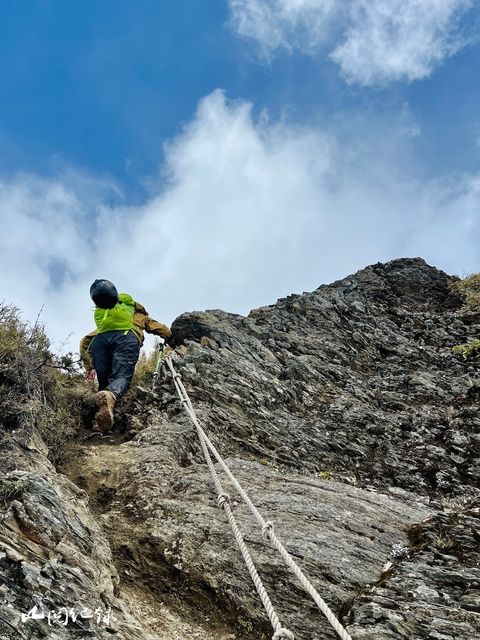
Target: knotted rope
{"points": [[267, 528]]}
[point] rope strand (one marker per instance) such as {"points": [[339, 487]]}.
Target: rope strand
{"points": [[267, 528], [223, 500]]}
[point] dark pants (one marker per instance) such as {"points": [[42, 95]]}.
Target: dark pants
{"points": [[114, 356]]}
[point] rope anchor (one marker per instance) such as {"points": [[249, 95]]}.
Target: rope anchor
{"points": [[223, 499], [267, 530], [160, 368]]}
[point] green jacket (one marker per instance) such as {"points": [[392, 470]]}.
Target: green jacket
{"points": [[135, 319]]}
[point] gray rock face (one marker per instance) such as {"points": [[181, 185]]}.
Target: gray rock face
{"points": [[53, 554], [356, 378], [434, 592], [354, 429], [164, 514]]}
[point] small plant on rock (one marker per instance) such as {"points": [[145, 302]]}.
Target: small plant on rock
{"points": [[10, 490], [468, 350], [469, 287], [325, 475]]}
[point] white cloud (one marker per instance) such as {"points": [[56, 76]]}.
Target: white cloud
{"points": [[44, 245], [287, 24], [372, 41], [247, 210], [399, 39]]}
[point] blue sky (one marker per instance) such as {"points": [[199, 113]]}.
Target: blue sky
{"points": [[100, 86], [224, 153]]}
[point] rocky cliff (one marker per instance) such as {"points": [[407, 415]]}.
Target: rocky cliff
{"points": [[344, 414]]}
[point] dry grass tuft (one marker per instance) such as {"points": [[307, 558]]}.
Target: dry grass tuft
{"points": [[145, 368], [36, 387], [469, 288]]}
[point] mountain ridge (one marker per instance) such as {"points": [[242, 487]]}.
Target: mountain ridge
{"points": [[347, 417]]}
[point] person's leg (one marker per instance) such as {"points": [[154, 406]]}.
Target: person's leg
{"points": [[126, 350], [101, 351]]}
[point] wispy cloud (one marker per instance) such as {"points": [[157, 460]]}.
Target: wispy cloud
{"points": [[246, 210], [47, 243], [287, 24], [373, 41]]}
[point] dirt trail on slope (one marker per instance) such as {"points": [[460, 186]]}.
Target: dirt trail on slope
{"points": [[95, 464]]}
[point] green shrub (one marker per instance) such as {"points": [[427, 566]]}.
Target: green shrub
{"points": [[325, 475], [468, 350]]}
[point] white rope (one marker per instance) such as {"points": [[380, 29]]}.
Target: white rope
{"points": [[267, 528], [224, 503]]}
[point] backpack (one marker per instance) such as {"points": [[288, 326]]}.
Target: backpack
{"points": [[120, 318]]}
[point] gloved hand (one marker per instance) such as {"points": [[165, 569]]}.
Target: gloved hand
{"points": [[91, 373]]}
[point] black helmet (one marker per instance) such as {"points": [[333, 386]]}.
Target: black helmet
{"points": [[104, 294]]}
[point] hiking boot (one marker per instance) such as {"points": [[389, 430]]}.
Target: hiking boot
{"points": [[105, 401]]}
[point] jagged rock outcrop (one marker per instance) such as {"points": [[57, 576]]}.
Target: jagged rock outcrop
{"points": [[164, 524], [353, 427], [358, 377], [53, 553]]}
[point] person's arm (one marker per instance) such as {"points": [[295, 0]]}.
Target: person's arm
{"points": [[159, 329], [85, 356]]}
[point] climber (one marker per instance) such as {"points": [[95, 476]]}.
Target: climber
{"points": [[111, 351]]}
